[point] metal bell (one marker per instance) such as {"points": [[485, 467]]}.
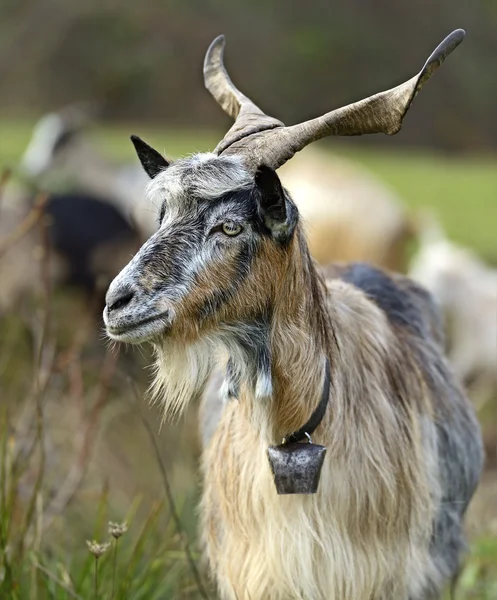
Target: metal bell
{"points": [[296, 467]]}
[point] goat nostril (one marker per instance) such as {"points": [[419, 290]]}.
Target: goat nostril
{"points": [[121, 301]]}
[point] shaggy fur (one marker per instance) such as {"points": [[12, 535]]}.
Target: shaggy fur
{"points": [[374, 528], [403, 445]]}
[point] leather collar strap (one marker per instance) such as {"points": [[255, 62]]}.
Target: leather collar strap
{"points": [[317, 416]]}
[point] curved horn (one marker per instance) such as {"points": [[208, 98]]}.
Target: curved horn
{"points": [[381, 113], [249, 118], [219, 84]]}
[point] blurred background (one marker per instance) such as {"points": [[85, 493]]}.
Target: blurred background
{"points": [[79, 444]]}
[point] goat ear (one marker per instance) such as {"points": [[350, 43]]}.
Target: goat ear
{"points": [[272, 196], [152, 161], [275, 209]]}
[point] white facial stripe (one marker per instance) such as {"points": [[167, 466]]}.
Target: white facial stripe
{"points": [[199, 262]]}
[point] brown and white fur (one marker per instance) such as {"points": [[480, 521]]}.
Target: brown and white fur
{"points": [[227, 281]]}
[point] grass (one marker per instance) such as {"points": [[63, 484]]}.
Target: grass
{"points": [[44, 476], [463, 190], [75, 452]]}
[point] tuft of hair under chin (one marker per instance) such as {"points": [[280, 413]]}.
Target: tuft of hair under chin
{"points": [[180, 375]]}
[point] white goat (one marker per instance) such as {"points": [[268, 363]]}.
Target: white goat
{"points": [[466, 289]]}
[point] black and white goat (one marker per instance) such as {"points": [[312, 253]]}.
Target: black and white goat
{"points": [[353, 355], [61, 147], [89, 239]]}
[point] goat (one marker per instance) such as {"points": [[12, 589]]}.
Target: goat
{"points": [[466, 290], [334, 196], [335, 199], [228, 279], [90, 238], [60, 145]]}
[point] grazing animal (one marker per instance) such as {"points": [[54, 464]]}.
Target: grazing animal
{"points": [[61, 147], [335, 197], [228, 279], [466, 291], [90, 239]]}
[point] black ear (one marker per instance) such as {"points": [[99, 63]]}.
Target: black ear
{"points": [[272, 199], [152, 161], [278, 211]]}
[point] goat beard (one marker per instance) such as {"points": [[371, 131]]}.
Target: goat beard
{"points": [[181, 372]]}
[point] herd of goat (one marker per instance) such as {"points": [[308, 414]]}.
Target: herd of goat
{"points": [[272, 280]]}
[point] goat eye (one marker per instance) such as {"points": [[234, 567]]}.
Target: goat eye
{"points": [[231, 229]]}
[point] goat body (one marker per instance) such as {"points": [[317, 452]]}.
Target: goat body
{"points": [[404, 449], [60, 147]]}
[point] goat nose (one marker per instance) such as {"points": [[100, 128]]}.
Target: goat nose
{"points": [[119, 297]]}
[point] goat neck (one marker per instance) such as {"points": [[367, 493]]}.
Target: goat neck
{"points": [[290, 382]]}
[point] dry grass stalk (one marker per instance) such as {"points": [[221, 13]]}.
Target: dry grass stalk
{"points": [[69, 487], [172, 505]]}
